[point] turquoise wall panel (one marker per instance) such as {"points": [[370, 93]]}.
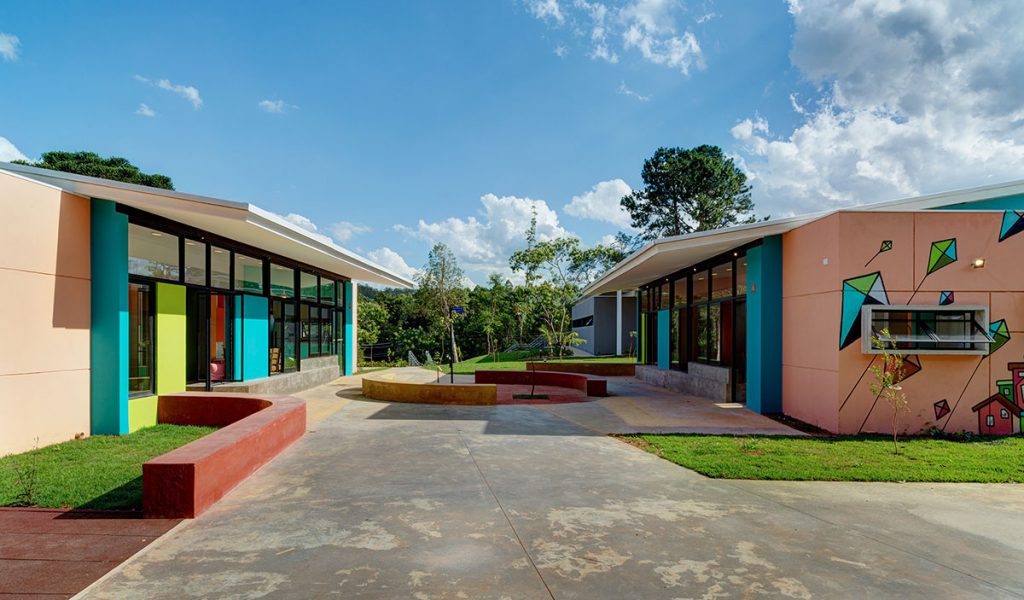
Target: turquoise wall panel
{"points": [[764, 326], [108, 383], [664, 338], [256, 337], [239, 348], [1006, 203], [345, 357]]}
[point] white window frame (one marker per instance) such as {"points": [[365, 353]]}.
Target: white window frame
{"points": [[980, 317]]}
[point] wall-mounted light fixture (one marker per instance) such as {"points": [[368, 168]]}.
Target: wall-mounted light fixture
{"points": [[979, 263]]}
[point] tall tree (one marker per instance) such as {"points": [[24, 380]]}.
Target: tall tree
{"points": [[440, 283], [94, 165], [687, 190]]}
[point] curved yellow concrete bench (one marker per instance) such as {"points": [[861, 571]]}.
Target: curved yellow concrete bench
{"points": [[467, 394]]}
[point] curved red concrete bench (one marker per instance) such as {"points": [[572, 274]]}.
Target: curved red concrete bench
{"points": [[601, 369], [591, 386], [254, 429]]}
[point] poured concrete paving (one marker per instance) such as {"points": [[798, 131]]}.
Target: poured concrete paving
{"points": [[404, 501]]}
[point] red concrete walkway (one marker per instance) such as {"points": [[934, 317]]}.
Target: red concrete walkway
{"points": [[50, 553]]}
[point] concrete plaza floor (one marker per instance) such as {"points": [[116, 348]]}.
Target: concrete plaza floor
{"points": [[384, 500]]}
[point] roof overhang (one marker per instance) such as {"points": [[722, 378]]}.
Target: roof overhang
{"points": [[667, 255], [238, 221]]}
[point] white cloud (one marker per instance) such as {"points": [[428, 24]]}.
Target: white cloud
{"points": [[485, 244], [145, 111], [601, 203], [187, 92], [625, 91], [343, 231], [9, 152], [915, 97], [10, 46], [649, 27], [706, 17], [339, 232], [560, 51], [393, 261], [547, 10], [275, 106]]}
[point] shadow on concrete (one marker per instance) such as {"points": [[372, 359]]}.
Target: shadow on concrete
{"points": [[500, 420]]}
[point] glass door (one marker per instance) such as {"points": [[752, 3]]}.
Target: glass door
{"points": [[210, 333]]}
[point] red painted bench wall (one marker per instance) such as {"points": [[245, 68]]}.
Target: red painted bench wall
{"points": [[254, 429], [592, 386]]}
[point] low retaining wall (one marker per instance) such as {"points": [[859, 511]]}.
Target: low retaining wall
{"points": [[706, 381], [601, 369], [589, 385], [185, 482], [430, 393]]}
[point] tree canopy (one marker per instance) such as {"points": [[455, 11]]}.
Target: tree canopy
{"points": [[94, 165], [687, 190]]}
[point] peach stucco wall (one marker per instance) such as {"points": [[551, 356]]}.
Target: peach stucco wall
{"points": [[829, 387], [44, 315]]}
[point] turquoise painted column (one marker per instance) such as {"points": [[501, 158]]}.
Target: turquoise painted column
{"points": [[664, 338], [764, 326], [256, 328], [108, 363], [350, 335], [239, 345]]}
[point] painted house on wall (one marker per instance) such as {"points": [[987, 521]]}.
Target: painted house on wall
{"points": [[779, 315], [118, 293]]}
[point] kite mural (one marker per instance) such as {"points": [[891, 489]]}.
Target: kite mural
{"points": [[942, 253], [1000, 333], [946, 298], [941, 409], [857, 292], [1013, 223], [885, 247]]}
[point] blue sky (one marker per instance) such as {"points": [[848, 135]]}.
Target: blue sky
{"points": [[391, 126]]}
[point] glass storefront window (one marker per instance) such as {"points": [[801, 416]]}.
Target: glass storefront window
{"points": [[721, 281], [327, 290], [220, 268], [308, 286], [282, 281], [714, 333], [140, 339], [741, 275], [679, 291], [152, 253], [195, 262], [700, 286], [666, 300], [248, 274]]}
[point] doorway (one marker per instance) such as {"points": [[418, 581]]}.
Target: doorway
{"points": [[210, 324]]}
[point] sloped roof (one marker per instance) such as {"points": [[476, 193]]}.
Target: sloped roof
{"points": [[241, 221], [669, 254]]}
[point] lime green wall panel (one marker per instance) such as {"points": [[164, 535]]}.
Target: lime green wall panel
{"points": [[170, 338], [141, 413]]}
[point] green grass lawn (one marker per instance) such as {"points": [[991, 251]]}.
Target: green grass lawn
{"points": [[100, 472], [516, 361], [860, 458]]}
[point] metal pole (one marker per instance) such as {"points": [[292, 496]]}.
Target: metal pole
{"points": [[618, 323]]}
